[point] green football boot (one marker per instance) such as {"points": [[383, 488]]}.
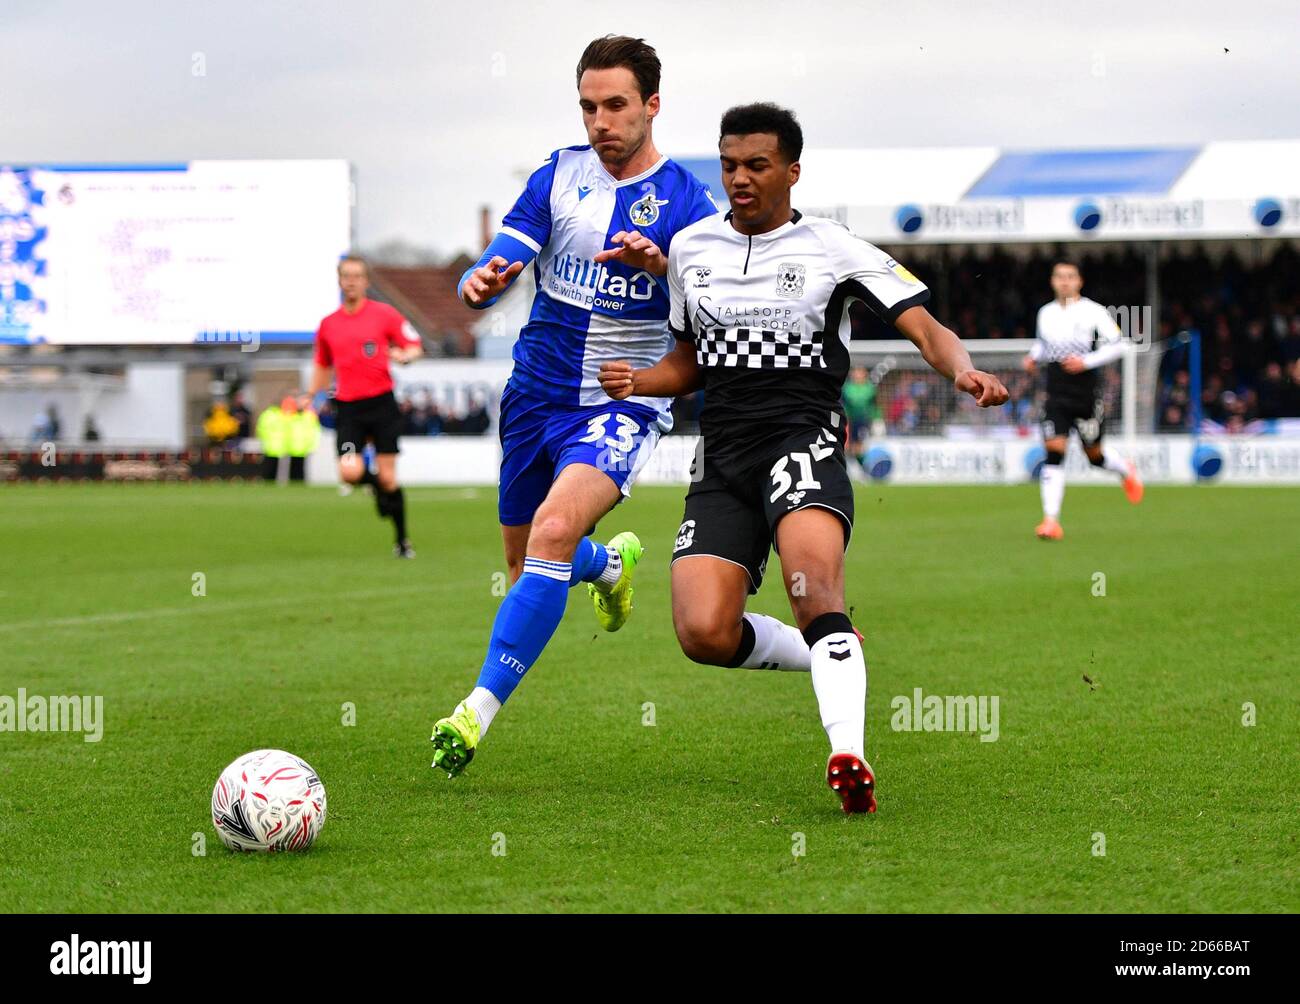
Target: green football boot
{"points": [[614, 603], [455, 739]]}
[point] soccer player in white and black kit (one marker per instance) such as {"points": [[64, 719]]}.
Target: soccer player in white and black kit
{"points": [[1075, 337], [759, 307]]}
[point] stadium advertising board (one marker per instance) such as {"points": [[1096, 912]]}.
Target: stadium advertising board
{"points": [[149, 254], [1160, 460], [134, 465], [1069, 219], [907, 460]]}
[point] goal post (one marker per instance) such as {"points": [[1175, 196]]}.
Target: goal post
{"points": [[911, 399]]}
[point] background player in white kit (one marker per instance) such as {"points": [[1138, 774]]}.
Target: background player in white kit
{"points": [[1075, 337], [760, 310]]}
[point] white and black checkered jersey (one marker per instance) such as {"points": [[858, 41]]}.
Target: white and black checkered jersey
{"points": [[769, 318], [1081, 327]]}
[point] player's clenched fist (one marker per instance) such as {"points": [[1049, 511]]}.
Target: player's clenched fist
{"points": [[985, 388], [489, 280], [616, 379], [637, 251]]}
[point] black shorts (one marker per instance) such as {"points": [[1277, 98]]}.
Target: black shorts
{"points": [[732, 514], [375, 418], [1086, 417]]}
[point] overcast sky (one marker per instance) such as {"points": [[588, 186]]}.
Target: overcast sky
{"points": [[440, 106]]}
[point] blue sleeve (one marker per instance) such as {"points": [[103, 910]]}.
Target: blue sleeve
{"points": [[699, 206], [529, 220], [509, 248]]}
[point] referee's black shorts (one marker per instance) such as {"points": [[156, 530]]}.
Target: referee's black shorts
{"points": [[377, 419]]}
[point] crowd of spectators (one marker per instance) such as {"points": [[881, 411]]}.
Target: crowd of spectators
{"points": [[1248, 317], [423, 415]]}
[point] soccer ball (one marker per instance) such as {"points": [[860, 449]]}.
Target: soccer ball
{"points": [[268, 800]]}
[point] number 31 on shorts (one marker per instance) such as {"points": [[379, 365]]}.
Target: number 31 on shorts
{"points": [[781, 479]]}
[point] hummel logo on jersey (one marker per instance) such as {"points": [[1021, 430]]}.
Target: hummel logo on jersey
{"points": [[796, 497], [702, 277], [789, 279], [685, 536], [583, 192]]}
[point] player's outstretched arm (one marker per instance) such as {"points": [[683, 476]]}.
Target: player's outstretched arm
{"points": [[1110, 349], [1107, 353], [675, 374], [636, 251], [484, 284], [943, 350]]}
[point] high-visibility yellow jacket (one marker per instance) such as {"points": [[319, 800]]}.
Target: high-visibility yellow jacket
{"points": [[303, 433], [273, 431]]}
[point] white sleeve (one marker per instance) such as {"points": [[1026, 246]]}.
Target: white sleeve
{"points": [[1036, 350], [877, 279], [409, 333], [678, 323], [1112, 340]]}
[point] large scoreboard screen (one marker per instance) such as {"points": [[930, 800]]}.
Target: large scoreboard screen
{"points": [[213, 251]]}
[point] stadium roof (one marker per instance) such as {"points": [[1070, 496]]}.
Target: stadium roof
{"points": [[962, 194]]}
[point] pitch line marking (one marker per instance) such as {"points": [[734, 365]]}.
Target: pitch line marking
{"points": [[125, 616]]}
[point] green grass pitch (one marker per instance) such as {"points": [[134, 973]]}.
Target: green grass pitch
{"points": [[305, 610]]}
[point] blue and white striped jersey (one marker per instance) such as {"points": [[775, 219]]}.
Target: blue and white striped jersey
{"points": [[584, 313]]}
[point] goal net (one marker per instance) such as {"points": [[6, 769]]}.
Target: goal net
{"points": [[911, 399]]}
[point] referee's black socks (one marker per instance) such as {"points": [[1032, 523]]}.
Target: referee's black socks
{"points": [[393, 505]]}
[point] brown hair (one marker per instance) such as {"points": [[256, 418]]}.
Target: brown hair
{"points": [[356, 258], [633, 54]]}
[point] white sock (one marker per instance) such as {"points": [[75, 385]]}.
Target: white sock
{"points": [[839, 678], [608, 579], [777, 646], [485, 705], [1112, 460], [1051, 483]]}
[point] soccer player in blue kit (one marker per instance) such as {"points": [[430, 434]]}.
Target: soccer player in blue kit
{"points": [[595, 222]]}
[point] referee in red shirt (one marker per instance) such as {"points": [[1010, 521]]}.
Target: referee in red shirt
{"points": [[357, 341]]}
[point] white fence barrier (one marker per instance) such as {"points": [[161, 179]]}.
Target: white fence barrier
{"points": [[456, 460]]}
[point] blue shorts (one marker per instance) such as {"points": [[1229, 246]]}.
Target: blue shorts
{"points": [[539, 439]]}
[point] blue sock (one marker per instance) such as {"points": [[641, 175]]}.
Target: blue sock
{"points": [[528, 617], [589, 560]]}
